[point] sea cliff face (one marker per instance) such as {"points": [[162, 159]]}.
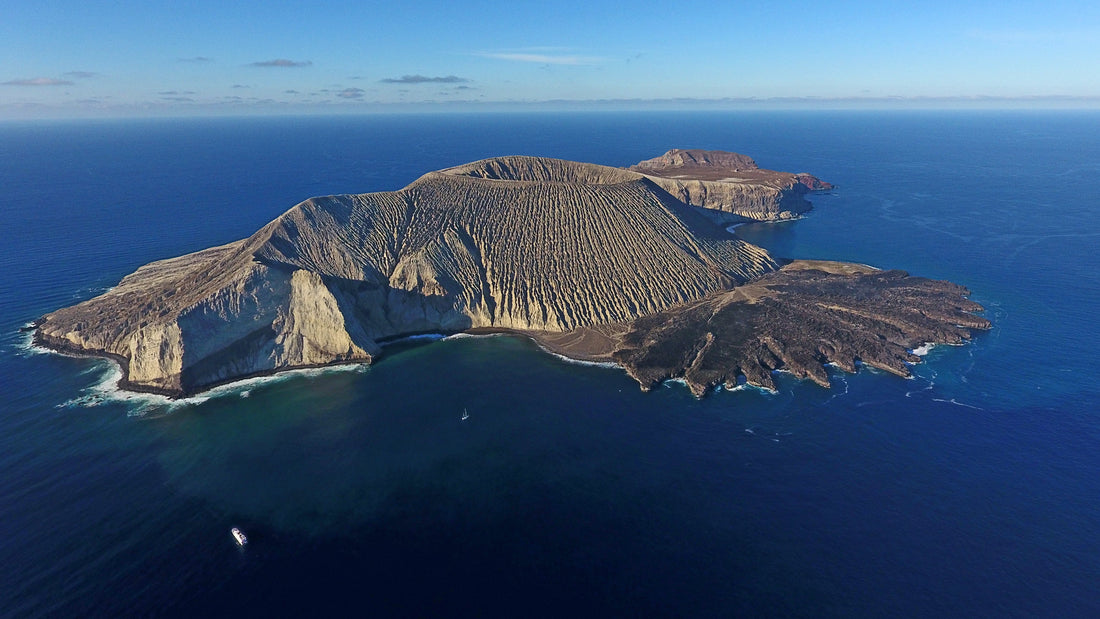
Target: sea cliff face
{"points": [[731, 183], [591, 260], [516, 243]]}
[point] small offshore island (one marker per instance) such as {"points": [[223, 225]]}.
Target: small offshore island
{"points": [[631, 266]]}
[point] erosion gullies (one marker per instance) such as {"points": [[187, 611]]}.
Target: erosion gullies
{"points": [[518, 243], [595, 262]]}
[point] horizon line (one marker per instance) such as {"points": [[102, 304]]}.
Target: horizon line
{"points": [[32, 111]]}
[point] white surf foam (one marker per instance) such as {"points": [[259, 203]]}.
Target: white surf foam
{"points": [[463, 336], [572, 361], [843, 380], [569, 360], [429, 337], [25, 345], [957, 403], [757, 388], [923, 349], [107, 391]]}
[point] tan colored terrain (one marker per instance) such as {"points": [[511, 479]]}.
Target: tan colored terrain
{"points": [[731, 183], [519, 243], [594, 262]]}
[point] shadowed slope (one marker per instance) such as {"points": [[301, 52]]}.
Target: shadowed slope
{"points": [[594, 262], [519, 242]]}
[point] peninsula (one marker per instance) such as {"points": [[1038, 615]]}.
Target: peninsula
{"points": [[632, 266]]}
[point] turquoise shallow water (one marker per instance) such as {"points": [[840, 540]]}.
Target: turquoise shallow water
{"points": [[970, 490]]}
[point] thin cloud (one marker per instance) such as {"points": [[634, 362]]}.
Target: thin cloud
{"points": [[1030, 36], [423, 79], [38, 81], [542, 49], [542, 58], [80, 74], [351, 93], [196, 59], [282, 63]]}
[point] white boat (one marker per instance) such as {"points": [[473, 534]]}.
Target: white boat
{"points": [[465, 415], [239, 536]]}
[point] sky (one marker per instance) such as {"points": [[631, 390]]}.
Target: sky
{"points": [[78, 58]]}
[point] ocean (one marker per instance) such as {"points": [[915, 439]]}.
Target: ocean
{"points": [[970, 490]]}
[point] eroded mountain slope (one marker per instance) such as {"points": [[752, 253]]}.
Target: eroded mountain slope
{"points": [[519, 243], [594, 262]]}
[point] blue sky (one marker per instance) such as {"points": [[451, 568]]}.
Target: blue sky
{"points": [[154, 57]]}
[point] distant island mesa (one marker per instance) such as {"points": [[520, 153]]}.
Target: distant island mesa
{"points": [[631, 266]]}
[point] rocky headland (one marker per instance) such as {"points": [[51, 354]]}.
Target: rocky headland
{"points": [[594, 262], [731, 183]]}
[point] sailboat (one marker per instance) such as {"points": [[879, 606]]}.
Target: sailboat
{"points": [[465, 414]]}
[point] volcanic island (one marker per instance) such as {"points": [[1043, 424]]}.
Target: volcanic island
{"points": [[630, 266]]}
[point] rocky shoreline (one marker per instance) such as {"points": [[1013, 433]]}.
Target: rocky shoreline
{"points": [[594, 263]]}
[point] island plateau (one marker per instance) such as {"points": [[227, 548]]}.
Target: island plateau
{"points": [[632, 266]]}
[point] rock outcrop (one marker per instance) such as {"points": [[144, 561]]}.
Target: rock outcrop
{"points": [[518, 243], [731, 183], [593, 261], [798, 319]]}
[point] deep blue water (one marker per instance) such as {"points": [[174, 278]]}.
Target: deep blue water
{"points": [[971, 490]]}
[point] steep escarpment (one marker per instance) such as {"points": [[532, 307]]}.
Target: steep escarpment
{"points": [[595, 262], [517, 243], [731, 183]]}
